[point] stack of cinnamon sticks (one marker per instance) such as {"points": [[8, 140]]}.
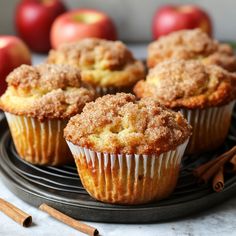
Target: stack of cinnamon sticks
{"points": [[216, 169]]}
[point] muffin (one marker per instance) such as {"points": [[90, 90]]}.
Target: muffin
{"points": [[205, 94], [107, 66], [127, 151], [191, 44], [38, 103]]}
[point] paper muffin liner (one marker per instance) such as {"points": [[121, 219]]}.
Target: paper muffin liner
{"points": [[101, 91], [128, 179], [40, 143], [210, 127]]}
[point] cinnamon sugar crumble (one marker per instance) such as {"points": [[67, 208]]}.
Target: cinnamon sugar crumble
{"points": [[46, 77], [191, 84], [45, 92], [191, 44], [92, 52], [102, 63], [121, 124]]}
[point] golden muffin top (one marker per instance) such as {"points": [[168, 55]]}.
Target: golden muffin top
{"points": [[191, 44], [102, 62], [121, 124], [188, 84], [45, 92]]}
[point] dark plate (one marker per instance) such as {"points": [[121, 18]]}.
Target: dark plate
{"points": [[62, 189]]}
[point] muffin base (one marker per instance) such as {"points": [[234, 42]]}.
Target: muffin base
{"points": [[210, 127], [128, 179], [40, 143]]}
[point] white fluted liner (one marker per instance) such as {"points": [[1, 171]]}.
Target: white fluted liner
{"points": [[38, 142], [127, 179], [210, 127]]}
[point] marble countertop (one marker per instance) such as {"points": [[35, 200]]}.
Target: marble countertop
{"points": [[220, 220]]}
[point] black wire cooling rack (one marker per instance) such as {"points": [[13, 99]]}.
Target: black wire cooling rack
{"points": [[62, 188]]}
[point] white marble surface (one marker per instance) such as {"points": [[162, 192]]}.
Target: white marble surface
{"points": [[220, 220]]}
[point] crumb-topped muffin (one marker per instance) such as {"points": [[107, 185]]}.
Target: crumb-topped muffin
{"points": [[106, 65], [191, 44], [131, 147], [38, 102], [120, 124], [204, 93]]}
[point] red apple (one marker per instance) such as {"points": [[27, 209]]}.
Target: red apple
{"points": [[34, 19], [178, 17], [82, 23], [13, 53]]}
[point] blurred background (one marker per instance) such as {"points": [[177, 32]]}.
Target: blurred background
{"points": [[133, 17]]}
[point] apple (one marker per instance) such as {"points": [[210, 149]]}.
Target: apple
{"points": [[82, 23], [13, 53], [34, 19], [171, 18]]}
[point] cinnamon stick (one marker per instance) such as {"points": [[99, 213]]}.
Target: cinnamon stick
{"points": [[218, 181], [231, 165], [208, 169], [68, 220], [15, 213], [202, 168], [213, 169]]}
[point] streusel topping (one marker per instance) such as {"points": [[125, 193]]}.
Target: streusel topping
{"points": [[191, 84], [101, 62], [44, 77], [191, 44], [93, 53], [45, 91], [121, 124]]}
